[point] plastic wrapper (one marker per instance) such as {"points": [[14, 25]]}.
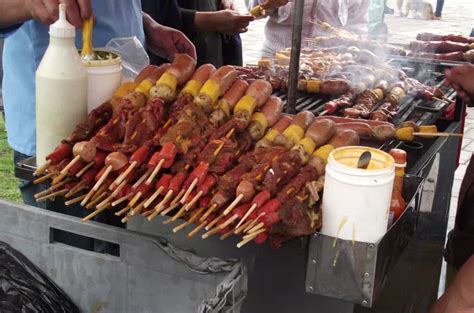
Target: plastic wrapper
{"points": [[25, 288], [133, 54]]}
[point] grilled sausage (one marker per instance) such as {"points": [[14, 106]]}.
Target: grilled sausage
{"points": [[182, 68], [215, 87], [295, 132], [86, 150], [227, 102], [450, 37], [198, 79], [277, 129], [344, 137], [440, 46], [116, 160], [269, 115], [320, 131]]}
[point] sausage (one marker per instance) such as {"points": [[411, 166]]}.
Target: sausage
{"points": [[176, 182], [207, 184], [241, 210], [318, 163], [220, 199], [344, 137], [269, 115], [450, 37], [246, 189], [133, 100], [143, 188], [227, 102], [182, 67], [277, 129], [383, 132], [361, 128], [203, 73], [164, 183], [260, 90], [335, 87], [452, 56], [167, 153], [86, 150], [116, 160], [295, 132], [140, 155], [99, 160], [261, 198], [215, 87], [320, 131], [303, 119], [199, 173], [440, 46], [148, 71], [59, 154], [76, 167], [89, 176]]}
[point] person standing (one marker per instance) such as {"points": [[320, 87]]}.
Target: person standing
{"points": [[439, 9]]}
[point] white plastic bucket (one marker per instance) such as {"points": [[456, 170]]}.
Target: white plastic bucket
{"points": [[356, 202], [104, 77]]}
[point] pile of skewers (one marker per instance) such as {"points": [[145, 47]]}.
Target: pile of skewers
{"points": [[203, 146]]}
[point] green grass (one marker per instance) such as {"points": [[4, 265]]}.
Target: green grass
{"points": [[8, 182]]}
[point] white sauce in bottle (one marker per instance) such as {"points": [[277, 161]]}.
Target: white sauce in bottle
{"points": [[61, 88]]}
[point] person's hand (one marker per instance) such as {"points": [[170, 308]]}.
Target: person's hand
{"points": [[227, 5], [461, 78], [273, 4], [165, 41], [47, 11], [226, 21]]}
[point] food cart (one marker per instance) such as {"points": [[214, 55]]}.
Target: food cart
{"points": [[158, 270]]}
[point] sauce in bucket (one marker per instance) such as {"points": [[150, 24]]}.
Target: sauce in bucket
{"points": [[360, 197]]}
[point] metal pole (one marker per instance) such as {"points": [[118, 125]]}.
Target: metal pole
{"points": [[295, 56]]}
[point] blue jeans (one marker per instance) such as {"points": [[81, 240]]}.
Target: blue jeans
{"points": [[439, 7]]}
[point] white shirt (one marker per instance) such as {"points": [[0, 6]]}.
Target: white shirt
{"points": [[351, 15]]}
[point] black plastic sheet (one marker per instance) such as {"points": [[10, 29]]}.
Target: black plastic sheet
{"points": [[25, 288]]}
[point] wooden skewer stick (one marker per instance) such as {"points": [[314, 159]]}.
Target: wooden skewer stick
{"points": [[214, 222], [256, 227], [85, 169], [66, 169], [95, 201], [220, 227], [245, 241], [61, 192], [75, 200], [442, 100], [154, 196], [135, 199], [112, 196], [137, 209], [233, 204], [219, 148], [155, 172], [180, 213], [192, 233], [241, 228], [120, 200], [160, 206], [247, 214], [253, 222], [41, 169], [122, 176], [43, 178], [211, 232], [93, 214], [50, 189], [97, 185], [56, 180], [438, 134], [230, 132], [211, 209], [188, 191], [144, 176], [170, 208], [122, 211], [226, 235], [147, 213], [191, 220], [193, 200], [74, 190], [257, 232], [323, 113]]}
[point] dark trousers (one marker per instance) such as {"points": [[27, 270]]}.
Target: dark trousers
{"points": [[28, 190], [460, 246], [439, 7]]}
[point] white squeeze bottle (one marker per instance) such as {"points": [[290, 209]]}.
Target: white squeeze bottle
{"points": [[61, 88]]}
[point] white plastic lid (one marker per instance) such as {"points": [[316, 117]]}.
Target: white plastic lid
{"points": [[62, 28]]}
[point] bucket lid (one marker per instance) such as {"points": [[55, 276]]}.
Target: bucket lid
{"points": [[62, 28], [346, 158]]}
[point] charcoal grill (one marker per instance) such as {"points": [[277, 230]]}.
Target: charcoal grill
{"points": [[277, 278]]}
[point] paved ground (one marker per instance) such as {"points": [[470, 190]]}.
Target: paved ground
{"points": [[457, 17]]}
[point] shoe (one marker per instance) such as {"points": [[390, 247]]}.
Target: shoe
{"points": [[411, 14], [436, 18], [397, 13]]}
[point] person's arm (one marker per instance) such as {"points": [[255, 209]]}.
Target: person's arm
{"points": [[14, 12], [45, 11], [165, 41], [459, 296], [224, 21]]}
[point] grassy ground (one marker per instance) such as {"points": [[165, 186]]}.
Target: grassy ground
{"points": [[8, 183]]}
